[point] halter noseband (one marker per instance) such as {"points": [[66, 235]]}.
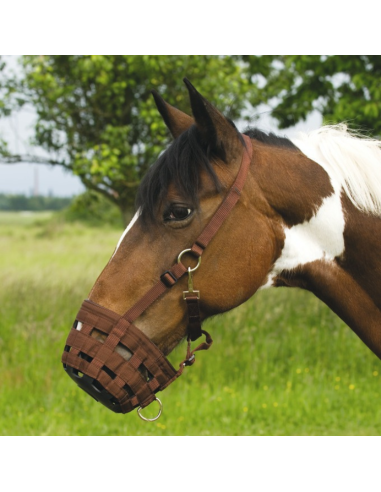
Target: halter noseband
{"points": [[122, 385]]}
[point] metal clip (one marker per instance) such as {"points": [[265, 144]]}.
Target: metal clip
{"points": [[190, 361], [190, 286]]}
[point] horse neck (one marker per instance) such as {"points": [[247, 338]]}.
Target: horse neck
{"points": [[293, 185], [329, 248]]}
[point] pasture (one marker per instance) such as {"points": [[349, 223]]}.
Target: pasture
{"points": [[281, 364]]}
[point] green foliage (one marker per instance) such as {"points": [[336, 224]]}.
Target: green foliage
{"points": [[32, 203], [97, 117], [341, 87], [3, 107], [93, 209], [4, 110], [281, 364]]}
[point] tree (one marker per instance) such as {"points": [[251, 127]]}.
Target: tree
{"points": [[4, 110], [96, 115], [340, 87]]}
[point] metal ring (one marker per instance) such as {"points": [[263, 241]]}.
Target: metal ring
{"points": [[189, 251], [157, 416]]}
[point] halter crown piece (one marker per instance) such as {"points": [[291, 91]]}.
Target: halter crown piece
{"points": [[122, 385]]}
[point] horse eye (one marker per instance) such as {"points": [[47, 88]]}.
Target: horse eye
{"points": [[177, 212]]}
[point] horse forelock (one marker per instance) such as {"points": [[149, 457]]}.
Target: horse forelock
{"points": [[179, 165], [352, 161]]}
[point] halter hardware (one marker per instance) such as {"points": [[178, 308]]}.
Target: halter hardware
{"points": [[120, 383], [190, 290], [189, 250], [154, 418], [168, 279]]}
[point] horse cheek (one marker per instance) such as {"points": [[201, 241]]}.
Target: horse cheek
{"points": [[239, 269]]}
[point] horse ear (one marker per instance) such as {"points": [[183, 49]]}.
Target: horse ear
{"points": [[219, 133], [176, 121]]}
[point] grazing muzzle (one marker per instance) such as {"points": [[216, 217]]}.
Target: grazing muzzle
{"points": [[120, 384], [98, 366]]}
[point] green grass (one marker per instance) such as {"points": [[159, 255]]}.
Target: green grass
{"points": [[282, 364]]}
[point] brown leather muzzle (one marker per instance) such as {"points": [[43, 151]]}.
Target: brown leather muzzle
{"points": [[98, 366]]}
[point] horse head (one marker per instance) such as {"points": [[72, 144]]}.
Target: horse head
{"points": [[176, 200], [261, 212]]}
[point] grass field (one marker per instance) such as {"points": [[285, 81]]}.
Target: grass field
{"points": [[282, 364]]}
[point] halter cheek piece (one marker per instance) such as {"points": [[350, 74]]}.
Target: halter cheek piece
{"points": [[98, 367]]}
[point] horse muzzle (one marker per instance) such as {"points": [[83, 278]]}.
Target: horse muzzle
{"points": [[119, 384]]}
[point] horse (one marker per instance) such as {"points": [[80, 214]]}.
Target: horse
{"points": [[307, 216]]}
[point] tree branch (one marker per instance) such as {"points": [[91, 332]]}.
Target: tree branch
{"points": [[31, 159]]}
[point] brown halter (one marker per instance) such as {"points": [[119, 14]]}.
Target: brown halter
{"points": [[122, 385]]}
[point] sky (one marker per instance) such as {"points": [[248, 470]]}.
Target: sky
{"points": [[21, 178], [54, 180]]}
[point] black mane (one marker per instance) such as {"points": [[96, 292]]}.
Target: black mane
{"points": [[270, 139], [181, 164]]}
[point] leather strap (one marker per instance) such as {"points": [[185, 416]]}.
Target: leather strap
{"points": [[193, 300], [194, 316], [228, 203]]}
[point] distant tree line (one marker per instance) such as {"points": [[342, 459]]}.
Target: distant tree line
{"points": [[15, 203]]}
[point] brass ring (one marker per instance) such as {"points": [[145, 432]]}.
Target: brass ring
{"points": [[189, 251], [157, 416]]}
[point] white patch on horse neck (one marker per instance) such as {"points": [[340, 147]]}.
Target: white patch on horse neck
{"points": [[320, 238], [133, 220]]}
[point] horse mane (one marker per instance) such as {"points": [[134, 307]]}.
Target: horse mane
{"points": [[270, 139], [352, 160]]}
